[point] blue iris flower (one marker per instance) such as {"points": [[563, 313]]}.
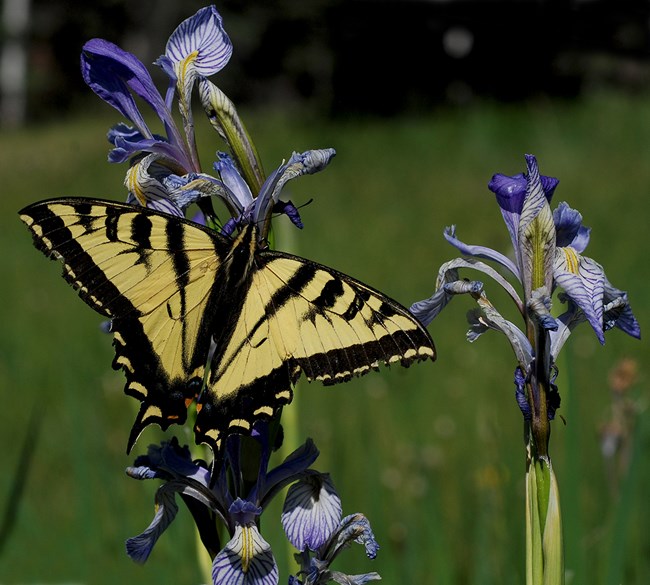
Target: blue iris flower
{"points": [[548, 248]]}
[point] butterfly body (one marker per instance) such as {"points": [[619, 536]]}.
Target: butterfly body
{"points": [[198, 316]]}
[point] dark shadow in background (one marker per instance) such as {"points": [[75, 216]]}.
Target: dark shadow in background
{"points": [[371, 56]]}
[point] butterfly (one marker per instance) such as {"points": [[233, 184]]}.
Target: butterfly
{"points": [[198, 316]]}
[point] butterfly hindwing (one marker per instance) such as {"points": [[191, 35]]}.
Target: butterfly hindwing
{"points": [[152, 275], [299, 316]]}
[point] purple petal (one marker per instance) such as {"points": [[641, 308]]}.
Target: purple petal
{"points": [[139, 547], [569, 230], [231, 178], [287, 472], [246, 560], [113, 74], [203, 33], [311, 512], [520, 394], [510, 194]]}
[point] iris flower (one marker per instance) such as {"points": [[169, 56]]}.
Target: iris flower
{"points": [[164, 171], [548, 256], [549, 248], [311, 515]]}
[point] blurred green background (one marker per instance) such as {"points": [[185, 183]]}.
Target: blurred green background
{"points": [[434, 455]]}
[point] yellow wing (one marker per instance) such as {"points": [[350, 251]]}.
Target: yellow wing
{"points": [[153, 275], [299, 316]]}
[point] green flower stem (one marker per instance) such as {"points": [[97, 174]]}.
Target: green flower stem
{"points": [[544, 543]]}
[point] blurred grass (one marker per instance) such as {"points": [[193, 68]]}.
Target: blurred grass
{"points": [[433, 455]]}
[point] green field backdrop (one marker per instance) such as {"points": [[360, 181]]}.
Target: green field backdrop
{"points": [[432, 455]]}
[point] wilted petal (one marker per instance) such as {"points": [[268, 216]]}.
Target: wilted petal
{"points": [[246, 560], [344, 579], [518, 340], [583, 280], [139, 547], [539, 308], [311, 512], [480, 251], [617, 311], [305, 163], [569, 229], [520, 393], [428, 309]]}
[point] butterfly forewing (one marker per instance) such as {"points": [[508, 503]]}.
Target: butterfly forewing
{"points": [[152, 274]]}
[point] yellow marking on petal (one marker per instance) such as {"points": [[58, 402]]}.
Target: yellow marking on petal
{"points": [[247, 548], [132, 184], [572, 260]]}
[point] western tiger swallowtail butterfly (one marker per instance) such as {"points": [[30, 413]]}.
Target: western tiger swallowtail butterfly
{"points": [[177, 293]]}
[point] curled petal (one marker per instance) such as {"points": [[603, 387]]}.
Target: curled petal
{"points": [[428, 309], [617, 311], [354, 527], [480, 251], [569, 229], [246, 560], [290, 210], [311, 512], [583, 280], [305, 163], [139, 547], [539, 307], [492, 319]]}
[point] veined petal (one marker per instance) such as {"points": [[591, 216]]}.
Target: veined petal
{"points": [[536, 235], [311, 511], [480, 251], [139, 547], [583, 280], [569, 230], [246, 560], [202, 39], [145, 183], [198, 47]]}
